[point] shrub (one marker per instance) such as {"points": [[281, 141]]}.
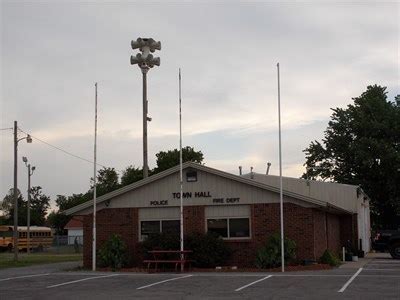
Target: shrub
{"points": [[269, 256], [159, 241], [113, 253], [329, 258], [208, 249]]}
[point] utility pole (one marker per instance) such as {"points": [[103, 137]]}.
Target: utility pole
{"points": [[280, 175], [145, 61], [145, 69], [29, 210], [15, 232], [30, 173]]}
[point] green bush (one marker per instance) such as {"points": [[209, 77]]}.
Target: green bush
{"points": [[329, 258], [113, 254], [208, 249], [159, 241], [269, 256]]}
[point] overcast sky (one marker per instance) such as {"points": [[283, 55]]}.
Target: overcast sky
{"points": [[53, 52]]}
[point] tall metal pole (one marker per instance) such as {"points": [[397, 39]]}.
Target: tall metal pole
{"points": [[180, 169], [28, 250], [94, 184], [145, 163], [280, 175], [15, 233]]}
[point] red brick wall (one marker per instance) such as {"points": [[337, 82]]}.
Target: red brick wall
{"points": [[265, 221], [320, 236], [122, 221], [193, 219], [333, 227], [306, 226], [349, 230]]}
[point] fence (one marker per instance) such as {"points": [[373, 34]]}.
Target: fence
{"points": [[67, 244]]}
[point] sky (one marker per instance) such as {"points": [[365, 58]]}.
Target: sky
{"points": [[53, 52]]}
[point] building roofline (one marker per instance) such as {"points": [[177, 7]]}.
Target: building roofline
{"points": [[200, 167]]}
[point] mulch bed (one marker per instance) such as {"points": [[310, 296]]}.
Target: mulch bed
{"points": [[292, 268]]}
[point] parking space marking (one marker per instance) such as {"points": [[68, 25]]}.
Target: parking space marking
{"points": [[25, 276], [254, 282], [350, 280], [79, 280], [371, 269], [159, 282]]}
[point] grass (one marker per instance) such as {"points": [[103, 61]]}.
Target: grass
{"points": [[50, 256]]}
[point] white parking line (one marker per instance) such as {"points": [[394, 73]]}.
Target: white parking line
{"points": [[383, 264], [371, 269], [254, 282], [159, 282], [84, 279], [25, 276], [350, 280]]}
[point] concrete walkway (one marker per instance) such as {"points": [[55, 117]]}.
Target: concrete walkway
{"points": [[363, 261]]}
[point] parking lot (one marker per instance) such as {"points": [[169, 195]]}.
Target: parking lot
{"points": [[379, 278]]}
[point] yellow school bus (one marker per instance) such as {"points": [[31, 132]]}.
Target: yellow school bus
{"points": [[40, 237]]}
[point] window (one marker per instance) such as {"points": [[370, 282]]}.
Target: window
{"points": [[219, 226], [191, 176], [234, 228], [170, 226], [151, 227]]}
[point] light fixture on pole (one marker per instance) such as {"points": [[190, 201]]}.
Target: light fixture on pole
{"points": [[15, 231], [145, 61], [28, 222]]}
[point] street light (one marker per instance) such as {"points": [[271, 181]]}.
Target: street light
{"points": [[145, 61], [30, 172], [16, 140]]}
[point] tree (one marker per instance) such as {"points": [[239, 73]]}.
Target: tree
{"points": [[58, 220], [361, 146], [131, 175], [169, 159], [7, 208], [39, 206], [107, 181]]}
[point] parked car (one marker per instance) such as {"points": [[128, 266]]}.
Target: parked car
{"points": [[387, 240]]}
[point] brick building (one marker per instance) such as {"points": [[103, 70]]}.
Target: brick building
{"points": [[243, 210]]}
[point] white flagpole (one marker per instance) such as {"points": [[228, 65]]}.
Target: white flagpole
{"points": [[280, 175], [94, 184], [181, 171]]}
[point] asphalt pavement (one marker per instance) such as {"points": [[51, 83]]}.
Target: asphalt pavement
{"points": [[373, 278]]}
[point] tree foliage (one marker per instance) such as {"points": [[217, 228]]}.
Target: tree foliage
{"points": [[169, 159], [107, 181], [361, 146], [39, 206], [131, 175]]}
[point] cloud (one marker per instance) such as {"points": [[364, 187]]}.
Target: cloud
{"points": [[52, 53]]}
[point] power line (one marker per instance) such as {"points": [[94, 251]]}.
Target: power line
{"points": [[6, 128], [62, 150]]}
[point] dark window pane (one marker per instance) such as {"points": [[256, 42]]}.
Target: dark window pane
{"points": [[219, 226], [191, 176], [239, 227], [170, 226], [149, 227]]}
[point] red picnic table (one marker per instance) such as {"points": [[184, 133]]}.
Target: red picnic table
{"points": [[176, 257]]}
